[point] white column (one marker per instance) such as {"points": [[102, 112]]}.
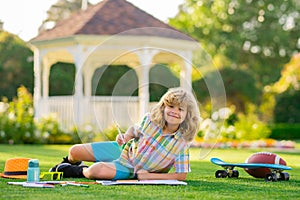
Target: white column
{"points": [[186, 71], [46, 66], [78, 94], [81, 111], [145, 57], [37, 83], [80, 103], [88, 75], [46, 74]]}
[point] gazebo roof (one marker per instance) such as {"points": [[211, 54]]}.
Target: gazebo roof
{"points": [[110, 17]]}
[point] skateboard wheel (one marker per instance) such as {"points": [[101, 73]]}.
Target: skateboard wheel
{"points": [[283, 176], [271, 177], [235, 174], [221, 174]]}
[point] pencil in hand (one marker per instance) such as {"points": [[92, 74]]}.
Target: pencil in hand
{"points": [[120, 133]]}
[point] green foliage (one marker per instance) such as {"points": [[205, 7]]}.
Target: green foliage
{"points": [[16, 120], [285, 131], [249, 127], [260, 36], [17, 125], [84, 134], [49, 131], [16, 66], [284, 90], [161, 78], [62, 79], [284, 95], [240, 88], [120, 80], [117, 80], [225, 124], [59, 11], [287, 108], [110, 133], [290, 77]]}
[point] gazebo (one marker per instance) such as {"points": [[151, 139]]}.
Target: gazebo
{"points": [[112, 32]]}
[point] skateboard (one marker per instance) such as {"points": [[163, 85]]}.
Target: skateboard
{"points": [[276, 174]]}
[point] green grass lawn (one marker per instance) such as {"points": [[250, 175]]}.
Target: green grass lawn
{"points": [[201, 181]]}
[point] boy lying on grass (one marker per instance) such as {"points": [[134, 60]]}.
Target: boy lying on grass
{"points": [[149, 150]]}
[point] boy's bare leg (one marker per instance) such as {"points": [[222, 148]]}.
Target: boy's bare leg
{"points": [[100, 170], [81, 152]]}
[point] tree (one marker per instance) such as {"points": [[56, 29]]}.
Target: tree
{"points": [[160, 79], [121, 80], [16, 121], [115, 80], [63, 9], [62, 78], [239, 85], [290, 77], [285, 93], [257, 35], [16, 65], [287, 108]]}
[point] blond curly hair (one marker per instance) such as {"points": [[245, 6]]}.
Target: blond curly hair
{"points": [[178, 96]]}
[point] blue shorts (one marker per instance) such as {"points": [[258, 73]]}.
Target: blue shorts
{"points": [[106, 151], [122, 172], [110, 152]]}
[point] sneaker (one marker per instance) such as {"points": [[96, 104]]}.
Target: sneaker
{"points": [[71, 171], [65, 160]]}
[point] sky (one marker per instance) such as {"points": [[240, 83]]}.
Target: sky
{"points": [[23, 17]]}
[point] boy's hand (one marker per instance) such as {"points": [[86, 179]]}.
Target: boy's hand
{"points": [[120, 139], [132, 132], [142, 174]]}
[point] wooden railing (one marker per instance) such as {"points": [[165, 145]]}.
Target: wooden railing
{"points": [[100, 111]]}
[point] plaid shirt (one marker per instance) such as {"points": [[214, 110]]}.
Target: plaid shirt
{"points": [[155, 151]]}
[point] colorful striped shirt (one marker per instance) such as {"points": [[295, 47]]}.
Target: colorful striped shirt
{"points": [[155, 151]]}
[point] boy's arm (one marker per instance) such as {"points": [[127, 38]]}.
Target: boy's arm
{"points": [[144, 175], [130, 133]]}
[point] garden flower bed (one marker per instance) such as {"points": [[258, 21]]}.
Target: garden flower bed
{"points": [[263, 143]]}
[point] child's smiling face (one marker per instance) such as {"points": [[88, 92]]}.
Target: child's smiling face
{"points": [[175, 114]]}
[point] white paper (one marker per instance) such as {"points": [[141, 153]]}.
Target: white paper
{"points": [[41, 182], [142, 182], [38, 185], [16, 183]]}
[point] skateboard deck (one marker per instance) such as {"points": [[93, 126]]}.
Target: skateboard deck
{"points": [[276, 169]]}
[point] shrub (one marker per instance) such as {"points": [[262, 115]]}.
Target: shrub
{"points": [[17, 124], [239, 92], [285, 131], [249, 127], [227, 125], [287, 108], [110, 133], [49, 132], [84, 134]]}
